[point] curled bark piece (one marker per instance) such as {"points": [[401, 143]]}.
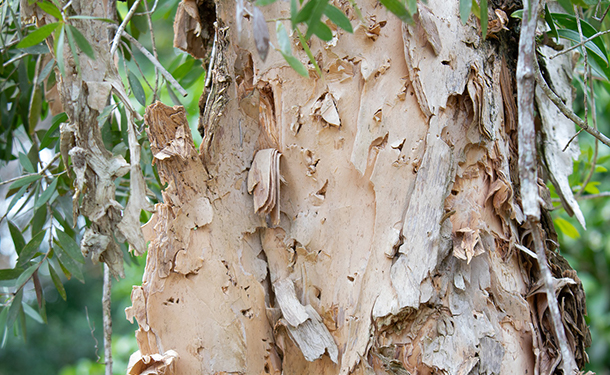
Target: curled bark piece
{"points": [[304, 324], [155, 364]]}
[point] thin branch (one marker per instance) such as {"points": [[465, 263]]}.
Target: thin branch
{"points": [[582, 43], [148, 12], [92, 330], [107, 319], [527, 71], [565, 110], [156, 63], [119, 33], [154, 47], [42, 171], [603, 194], [568, 364]]}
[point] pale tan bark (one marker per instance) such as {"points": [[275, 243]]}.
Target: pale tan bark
{"points": [[394, 251]]}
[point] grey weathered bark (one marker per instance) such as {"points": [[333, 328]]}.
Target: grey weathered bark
{"points": [[383, 239]]}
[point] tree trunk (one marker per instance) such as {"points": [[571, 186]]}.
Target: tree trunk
{"points": [[385, 237]]}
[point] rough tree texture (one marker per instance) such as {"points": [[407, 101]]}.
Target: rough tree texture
{"points": [[389, 244], [84, 94]]}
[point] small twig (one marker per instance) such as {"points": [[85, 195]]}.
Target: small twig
{"points": [[156, 63], [526, 250], [107, 319], [148, 12], [154, 47], [604, 194], [568, 364], [593, 118], [119, 33], [137, 66], [42, 171], [92, 329], [567, 111], [571, 139], [582, 43], [600, 19]]}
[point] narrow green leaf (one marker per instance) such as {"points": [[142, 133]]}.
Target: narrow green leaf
{"points": [[70, 265], [14, 309], [52, 134], [44, 73], [25, 275], [50, 9], [484, 18], [25, 180], [476, 10], [465, 9], [79, 17], [261, 3], [314, 14], [518, 14], [305, 12], [29, 311], [296, 64], [308, 52], [17, 237], [293, 13], [46, 194], [548, 17], [59, 49], [10, 273], [136, 88], [70, 246], [412, 6], [17, 197], [35, 107], [283, 40], [593, 47], [57, 282], [73, 50], [3, 327], [38, 220], [338, 17], [398, 9], [567, 228], [82, 42], [30, 249], [26, 163], [600, 169], [37, 35], [591, 187], [321, 31], [103, 117]]}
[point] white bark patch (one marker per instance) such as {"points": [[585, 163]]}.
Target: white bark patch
{"points": [[437, 73], [558, 131]]}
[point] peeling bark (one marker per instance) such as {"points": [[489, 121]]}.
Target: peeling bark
{"points": [[394, 248]]}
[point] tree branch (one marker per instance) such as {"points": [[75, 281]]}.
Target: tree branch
{"points": [[582, 43], [568, 364], [525, 98], [117, 37], [106, 299], [565, 110], [526, 78], [157, 64]]}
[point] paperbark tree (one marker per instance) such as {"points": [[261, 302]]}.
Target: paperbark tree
{"points": [[366, 221]]}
